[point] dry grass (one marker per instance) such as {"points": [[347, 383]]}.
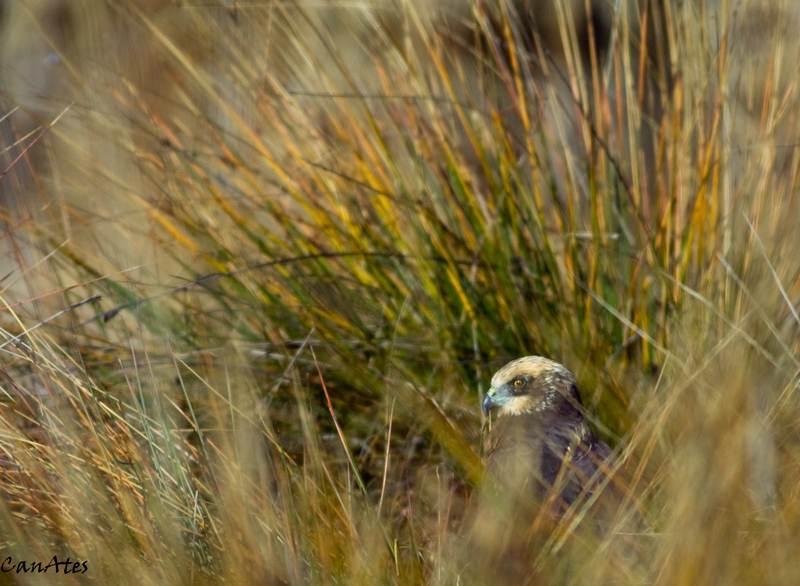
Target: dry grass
{"points": [[367, 221]]}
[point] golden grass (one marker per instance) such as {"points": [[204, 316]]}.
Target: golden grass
{"points": [[367, 223]]}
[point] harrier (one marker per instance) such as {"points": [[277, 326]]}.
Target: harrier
{"points": [[543, 466], [541, 442]]}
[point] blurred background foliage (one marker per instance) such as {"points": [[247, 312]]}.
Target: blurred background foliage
{"points": [[310, 233]]}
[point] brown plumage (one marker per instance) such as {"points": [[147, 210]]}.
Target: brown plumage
{"points": [[544, 469], [541, 440]]}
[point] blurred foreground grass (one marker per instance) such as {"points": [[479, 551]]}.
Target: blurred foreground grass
{"points": [[366, 224]]}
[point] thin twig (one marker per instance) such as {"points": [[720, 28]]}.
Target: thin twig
{"points": [[112, 313], [49, 319]]}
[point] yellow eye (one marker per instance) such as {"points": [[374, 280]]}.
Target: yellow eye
{"points": [[518, 382]]}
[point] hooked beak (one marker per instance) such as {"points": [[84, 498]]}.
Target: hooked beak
{"points": [[488, 403], [490, 400]]}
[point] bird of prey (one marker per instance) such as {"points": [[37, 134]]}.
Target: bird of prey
{"points": [[543, 466], [541, 443]]}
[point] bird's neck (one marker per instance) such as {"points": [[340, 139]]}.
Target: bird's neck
{"points": [[561, 416]]}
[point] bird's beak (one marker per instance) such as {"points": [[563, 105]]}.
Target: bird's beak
{"points": [[489, 401]]}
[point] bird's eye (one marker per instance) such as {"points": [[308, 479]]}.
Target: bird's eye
{"points": [[518, 382]]}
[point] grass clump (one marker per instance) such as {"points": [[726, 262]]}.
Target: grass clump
{"points": [[368, 221]]}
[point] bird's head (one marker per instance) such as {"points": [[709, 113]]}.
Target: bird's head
{"points": [[528, 385]]}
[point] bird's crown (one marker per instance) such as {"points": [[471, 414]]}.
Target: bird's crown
{"points": [[530, 384], [533, 366]]}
